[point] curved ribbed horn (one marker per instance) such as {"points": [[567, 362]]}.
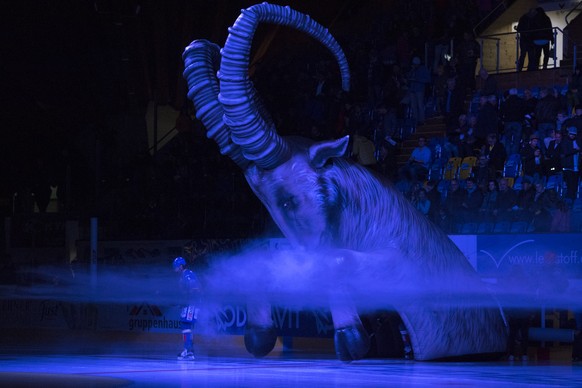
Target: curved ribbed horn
{"points": [[249, 128], [201, 61]]}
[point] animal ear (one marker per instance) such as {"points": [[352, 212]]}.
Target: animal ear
{"points": [[320, 152]]}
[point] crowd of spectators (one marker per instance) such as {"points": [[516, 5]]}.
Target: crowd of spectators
{"points": [[518, 163]]}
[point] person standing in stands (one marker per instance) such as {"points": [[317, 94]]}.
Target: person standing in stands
{"points": [[453, 104], [487, 119], [418, 78], [546, 112], [570, 158], [543, 37], [469, 51], [512, 113], [190, 290], [526, 46], [553, 157]]}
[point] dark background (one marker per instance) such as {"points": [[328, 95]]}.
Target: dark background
{"points": [[76, 80]]}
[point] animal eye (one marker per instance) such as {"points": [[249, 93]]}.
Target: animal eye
{"points": [[288, 204]]}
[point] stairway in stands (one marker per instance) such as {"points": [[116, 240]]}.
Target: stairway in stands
{"points": [[433, 127]]}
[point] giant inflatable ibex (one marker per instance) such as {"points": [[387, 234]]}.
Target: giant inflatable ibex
{"points": [[321, 200]]}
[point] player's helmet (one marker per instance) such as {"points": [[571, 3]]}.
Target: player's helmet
{"points": [[178, 261]]}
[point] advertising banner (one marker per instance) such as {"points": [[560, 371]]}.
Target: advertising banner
{"points": [[535, 253]]}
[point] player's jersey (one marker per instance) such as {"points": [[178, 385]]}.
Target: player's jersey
{"points": [[189, 285]]}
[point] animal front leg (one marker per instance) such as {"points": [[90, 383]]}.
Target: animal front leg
{"points": [[352, 271], [260, 335], [359, 276], [351, 340]]}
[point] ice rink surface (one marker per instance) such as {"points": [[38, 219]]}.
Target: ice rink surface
{"points": [[293, 370]]}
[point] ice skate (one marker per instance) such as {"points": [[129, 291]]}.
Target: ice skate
{"points": [[186, 355]]}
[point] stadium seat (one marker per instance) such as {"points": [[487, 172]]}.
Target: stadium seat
{"points": [[466, 167], [435, 172], [512, 166], [452, 168]]}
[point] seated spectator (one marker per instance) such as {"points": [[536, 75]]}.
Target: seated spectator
{"points": [[487, 209], [457, 133], [472, 201], [420, 159], [453, 201], [560, 120], [506, 200], [363, 150], [495, 152], [404, 181], [483, 172], [524, 201], [529, 156], [434, 196], [574, 121], [540, 208], [531, 102], [422, 203], [539, 167], [446, 222], [468, 146]]}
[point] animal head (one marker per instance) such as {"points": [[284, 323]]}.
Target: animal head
{"points": [[283, 172], [296, 193]]}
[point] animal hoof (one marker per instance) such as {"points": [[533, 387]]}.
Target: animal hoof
{"points": [[260, 340], [351, 343]]}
